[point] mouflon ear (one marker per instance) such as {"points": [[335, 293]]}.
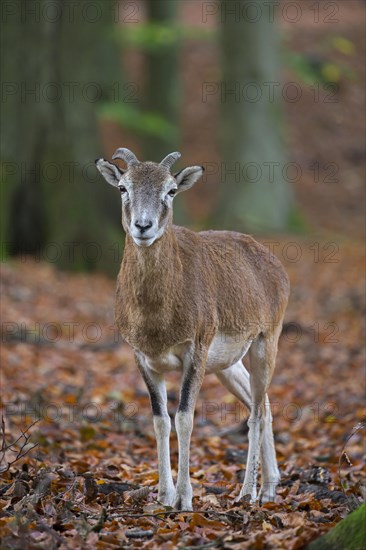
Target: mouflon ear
{"points": [[188, 177], [110, 172]]}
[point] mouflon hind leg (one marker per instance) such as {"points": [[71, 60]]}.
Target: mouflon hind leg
{"points": [[237, 380], [262, 362]]}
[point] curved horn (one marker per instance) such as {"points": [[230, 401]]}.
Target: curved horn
{"points": [[126, 155], [170, 159]]}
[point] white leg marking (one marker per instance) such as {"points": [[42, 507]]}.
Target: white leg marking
{"points": [[162, 426], [250, 481], [156, 386], [262, 362], [237, 380], [270, 472], [184, 426]]}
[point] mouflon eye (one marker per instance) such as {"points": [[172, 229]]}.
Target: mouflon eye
{"points": [[172, 192], [123, 189]]}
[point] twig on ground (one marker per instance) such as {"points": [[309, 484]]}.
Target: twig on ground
{"points": [[217, 543], [19, 453], [162, 515], [344, 456]]}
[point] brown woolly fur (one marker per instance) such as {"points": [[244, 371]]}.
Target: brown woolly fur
{"points": [[190, 285]]}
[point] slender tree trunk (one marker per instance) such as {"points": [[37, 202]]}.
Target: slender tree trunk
{"points": [[162, 80], [62, 66], [254, 194]]}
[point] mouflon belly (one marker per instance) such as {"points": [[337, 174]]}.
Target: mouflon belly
{"points": [[224, 351]]}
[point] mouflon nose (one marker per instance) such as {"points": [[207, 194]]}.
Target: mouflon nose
{"points": [[143, 226]]}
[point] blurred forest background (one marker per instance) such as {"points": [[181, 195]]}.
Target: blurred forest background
{"points": [[268, 98]]}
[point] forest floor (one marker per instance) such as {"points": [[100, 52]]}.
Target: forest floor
{"points": [[90, 482], [68, 381]]}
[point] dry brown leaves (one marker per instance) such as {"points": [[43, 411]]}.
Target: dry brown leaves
{"points": [[92, 479]]}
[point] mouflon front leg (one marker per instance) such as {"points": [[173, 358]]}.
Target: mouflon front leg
{"points": [[192, 380], [162, 425]]}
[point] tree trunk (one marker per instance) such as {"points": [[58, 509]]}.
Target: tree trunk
{"points": [[62, 67], [254, 194], [162, 81]]}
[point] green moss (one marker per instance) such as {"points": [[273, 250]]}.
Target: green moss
{"points": [[349, 534]]}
